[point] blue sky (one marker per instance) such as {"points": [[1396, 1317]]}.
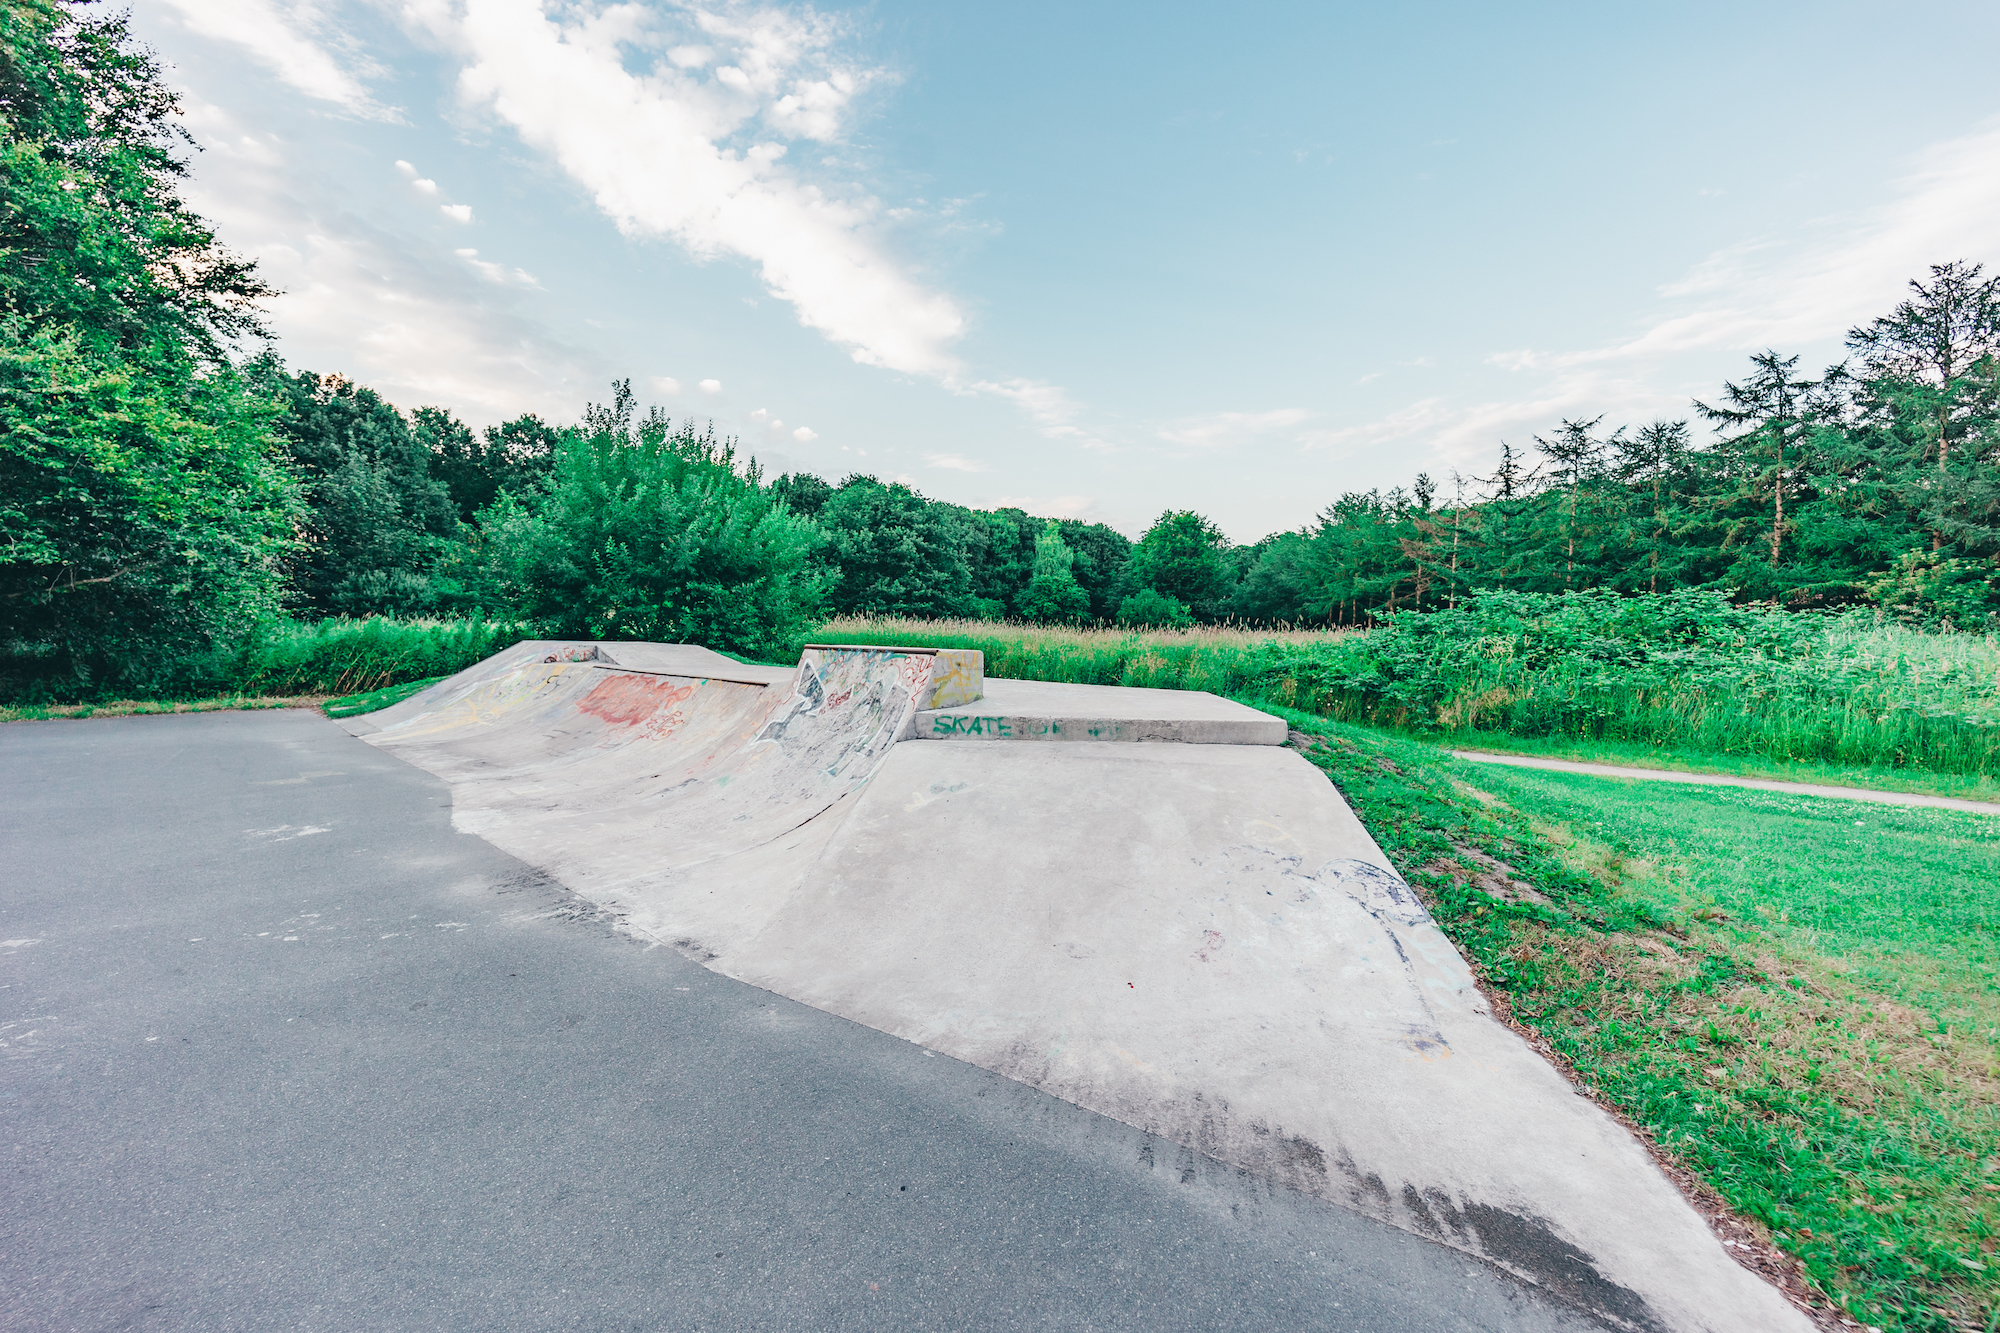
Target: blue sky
{"points": [[1096, 261]]}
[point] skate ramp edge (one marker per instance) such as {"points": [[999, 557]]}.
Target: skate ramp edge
{"points": [[1194, 936]]}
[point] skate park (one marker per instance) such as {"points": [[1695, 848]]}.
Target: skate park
{"points": [[1137, 901]]}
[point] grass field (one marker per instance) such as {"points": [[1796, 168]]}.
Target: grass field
{"points": [[1793, 997], [1635, 754]]}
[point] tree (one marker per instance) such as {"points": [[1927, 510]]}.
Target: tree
{"points": [[1181, 557], [802, 493], [1771, 413], [1647, 461], [898, 553], [474, 469], [143, 516], [1053, 596], [1102, 556], [377, 521], [96, 235], [1576, 458], [644, 531], [1935, 344]]}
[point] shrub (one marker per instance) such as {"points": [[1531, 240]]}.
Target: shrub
{"points": [[1154, 610], [649, 533]]}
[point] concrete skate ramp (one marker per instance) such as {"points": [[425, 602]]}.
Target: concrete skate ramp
{"points": [[1198, 939]]}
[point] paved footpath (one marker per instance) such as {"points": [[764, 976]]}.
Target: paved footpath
{"points": [[282, 1050], [1724, 780]]}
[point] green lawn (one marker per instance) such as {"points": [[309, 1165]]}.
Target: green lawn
{"points": [[1792, 996], [1906, 899], [1636, 754]]}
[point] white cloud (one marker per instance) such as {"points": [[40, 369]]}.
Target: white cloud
{"points": [[1782, 291], [666, 384], [499, 273], [955, 463], [426, 186], [456, 212], [666, 152], [293, 42], [805, 435], [711, 386], [1221, 429], [1797, 290], [416, 321], [1048, 406]]}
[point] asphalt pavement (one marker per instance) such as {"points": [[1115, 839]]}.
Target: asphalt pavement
{"points": [[283, 1051]]}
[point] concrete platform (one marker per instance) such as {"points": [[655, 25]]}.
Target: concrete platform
{"points": [[1034, 710], [1199, 940]]}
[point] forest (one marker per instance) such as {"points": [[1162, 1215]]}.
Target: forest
{"points": [[170, 489]]}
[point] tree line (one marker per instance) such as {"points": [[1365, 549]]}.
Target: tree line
{"points": [[163, 492]]}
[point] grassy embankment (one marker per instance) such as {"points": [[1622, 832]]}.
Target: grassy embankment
{"points": [[1792, 997]]}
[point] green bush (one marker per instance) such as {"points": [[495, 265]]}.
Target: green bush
{"points": [[1154, 610], [652, 534]]}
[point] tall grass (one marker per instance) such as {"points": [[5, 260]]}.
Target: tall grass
{"points": [[1682, 671], [1220, 658], [340, 656]]}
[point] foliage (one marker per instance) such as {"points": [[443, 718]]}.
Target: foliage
{"points": [[647, 532], [1678, 962], [475, 468], [1053, 596], [376, 521], [340, 656], [896, 552], [1687, 671], [1151, 609], [1181, 556], [142, 518], [97, 238]]}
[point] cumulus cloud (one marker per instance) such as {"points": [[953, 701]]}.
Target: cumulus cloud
{"points": [[456, 212], [805, 435], [295, 42], [667, 149], [666, 384], [711, 386]]}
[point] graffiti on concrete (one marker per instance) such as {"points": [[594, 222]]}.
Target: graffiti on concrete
{"points": [[958, 676]]}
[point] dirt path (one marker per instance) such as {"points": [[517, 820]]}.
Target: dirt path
{"points": [[1723, 780]]}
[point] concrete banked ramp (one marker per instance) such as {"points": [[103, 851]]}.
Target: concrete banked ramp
{"points": [[1184, 928]]}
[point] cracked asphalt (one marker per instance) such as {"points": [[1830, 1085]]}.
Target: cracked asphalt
{"points": [[283, 1051]]}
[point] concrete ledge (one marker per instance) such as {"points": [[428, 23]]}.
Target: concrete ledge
{"points": [[1033, 710]]}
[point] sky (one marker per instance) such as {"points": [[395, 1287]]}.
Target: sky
{"points": [[1096, 261]]}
